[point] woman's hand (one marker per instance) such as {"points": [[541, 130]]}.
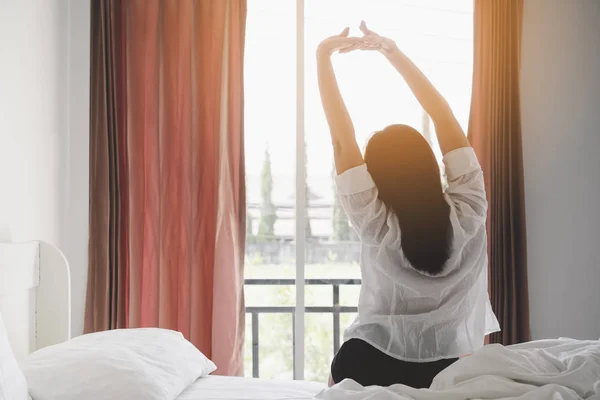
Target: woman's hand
{"points": [[373, 41], [342, 43]]}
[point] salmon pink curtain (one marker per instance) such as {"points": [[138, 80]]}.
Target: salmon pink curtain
{"points": [[181, 223]]}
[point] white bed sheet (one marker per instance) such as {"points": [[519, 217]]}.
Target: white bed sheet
{"points": [[562, 369], [229, 388]]}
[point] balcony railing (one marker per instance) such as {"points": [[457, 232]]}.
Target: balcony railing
{"points": [[335, 309]]}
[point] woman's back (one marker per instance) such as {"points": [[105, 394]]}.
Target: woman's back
{"points": [[407, 313]]}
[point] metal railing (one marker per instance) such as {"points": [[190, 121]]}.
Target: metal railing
{"points": [[335, 309]]}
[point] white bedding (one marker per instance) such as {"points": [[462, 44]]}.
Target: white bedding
{"points": [[127, 364], [562, 369], [161, 365], [229, 388]]}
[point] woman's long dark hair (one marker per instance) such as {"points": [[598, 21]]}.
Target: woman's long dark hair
{"points": [[407, 176]]}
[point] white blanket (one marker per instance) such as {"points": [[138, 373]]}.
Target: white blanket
{"points": [[562, 369]]}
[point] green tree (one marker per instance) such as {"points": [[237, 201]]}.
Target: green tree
{"points": [[249, 221], [268, 216], [249, 230], [307, 229], [341, 227]]}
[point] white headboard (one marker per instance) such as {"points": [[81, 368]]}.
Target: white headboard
{"points": [[35, 295]]}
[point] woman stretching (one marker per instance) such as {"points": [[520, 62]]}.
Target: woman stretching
{"points": [[423, 301]]}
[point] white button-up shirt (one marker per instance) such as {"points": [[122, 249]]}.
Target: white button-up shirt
{"points": [[401, 311]]}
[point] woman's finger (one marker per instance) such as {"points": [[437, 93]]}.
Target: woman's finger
{"points": [[342, 34], [364, 29], [337, 43], [353, 47], [373, 39], [348, 41], [370, 48]]}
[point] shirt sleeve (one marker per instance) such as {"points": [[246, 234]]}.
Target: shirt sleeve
{"points": [[466, 187], [359, 198]]}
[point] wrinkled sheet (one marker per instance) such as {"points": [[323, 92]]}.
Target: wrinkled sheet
{"points": [[561, 369], [229, 388]]}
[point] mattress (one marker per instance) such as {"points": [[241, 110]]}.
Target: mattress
{"points": [[228, 388]]}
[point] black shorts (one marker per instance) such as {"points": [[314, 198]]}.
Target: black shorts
{"points": [[363, 363]]}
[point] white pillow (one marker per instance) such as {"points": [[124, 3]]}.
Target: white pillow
{"points": [[128, 364], [12, 382]]}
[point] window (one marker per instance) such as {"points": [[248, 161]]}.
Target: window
{"points": [[298, 307]]}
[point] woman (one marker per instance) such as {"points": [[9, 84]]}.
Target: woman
{"points": [[423, 300]]}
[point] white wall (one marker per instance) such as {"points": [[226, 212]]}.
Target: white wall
{"points": [[560, 94], [44, 103], [33, 116], [76, 216]]}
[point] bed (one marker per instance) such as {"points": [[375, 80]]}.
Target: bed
{"points": [[35, 295], [38, 357], [35, 305]]}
